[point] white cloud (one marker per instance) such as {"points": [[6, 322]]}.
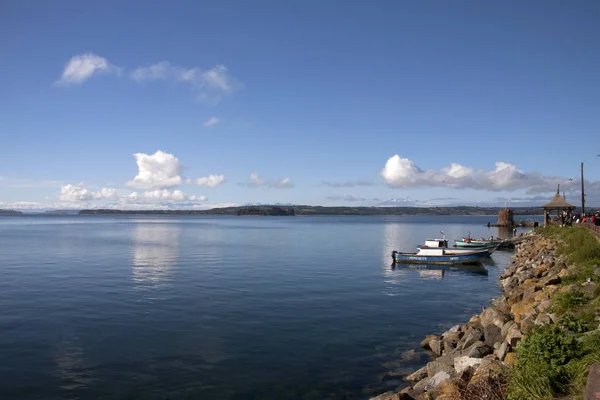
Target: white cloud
{"points": [[78, 194], [123, 205], [163, 171], [157, 171], [82, 67], [73, 193], [158, 195], [211, 121], [210, 85], [347, 184], [458, 171], [257, 181], [154, 72], [347, 197], [210, 181], [107, 194], [401, 172]]}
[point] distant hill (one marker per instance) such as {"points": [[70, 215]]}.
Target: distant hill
{"points": [[10, 212], [320, 210], [267, 211]]}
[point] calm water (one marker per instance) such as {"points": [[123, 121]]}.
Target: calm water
{"points": [[223, 307]]}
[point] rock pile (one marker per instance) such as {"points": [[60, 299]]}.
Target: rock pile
{"points": [[471, 358]]}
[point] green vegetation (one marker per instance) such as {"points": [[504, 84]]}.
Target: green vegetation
{"points": [[554, 360], [563, 302], [265, 211], [541, 371], [578, 323]]}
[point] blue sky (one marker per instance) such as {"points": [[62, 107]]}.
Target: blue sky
{"points": [[307, 102]]}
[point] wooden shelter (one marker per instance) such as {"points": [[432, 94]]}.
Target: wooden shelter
{"points": [[558, 205]]}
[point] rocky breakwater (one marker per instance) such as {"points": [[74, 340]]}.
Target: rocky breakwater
{"points": [[471, 361]]}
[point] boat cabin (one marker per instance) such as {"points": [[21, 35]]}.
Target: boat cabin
{"points": [[436, 243]]}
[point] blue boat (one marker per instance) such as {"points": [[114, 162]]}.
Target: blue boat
{"points": [[440, 256]]}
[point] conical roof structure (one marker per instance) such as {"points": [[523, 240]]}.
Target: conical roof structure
{"points": [[558, 202]]}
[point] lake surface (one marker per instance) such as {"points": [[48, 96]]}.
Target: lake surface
{"points": [[213, 307]]}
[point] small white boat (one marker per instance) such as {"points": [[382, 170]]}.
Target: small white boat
{"points": [[443, 244], [436, 251]]}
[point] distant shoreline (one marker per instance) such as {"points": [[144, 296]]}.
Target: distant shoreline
{"points": [[320, 210]]}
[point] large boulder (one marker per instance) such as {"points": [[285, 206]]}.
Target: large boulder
{"points": [[506, 327], [450, 340], [436, 366], [454, 329], [428, 338], [407, 393], [452, 336], [544, 305], [514, 296], [527, 324], [501, 304], [542, 295], [551, 280], [514, 336], [436, 345], [522, 309], [542, 270], [448, 390], [463, 363], [543, 319], [492, 334], [502, 351], [418, 375], [479, 350], [491, 316], [471, 336], [431, 383]]}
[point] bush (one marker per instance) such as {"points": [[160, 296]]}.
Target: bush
{"points": [[578, 323], [578, 368], [580, 246], [540, 372], [563, 302], [552, 361]]}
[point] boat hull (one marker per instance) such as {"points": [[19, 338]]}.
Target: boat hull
{"points": [[475, 257], [463, 250]]}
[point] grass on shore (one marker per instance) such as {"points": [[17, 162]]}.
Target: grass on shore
{"points": [[554, 360]]}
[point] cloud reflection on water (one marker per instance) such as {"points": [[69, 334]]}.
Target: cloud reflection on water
{"points": [[155, 252]]}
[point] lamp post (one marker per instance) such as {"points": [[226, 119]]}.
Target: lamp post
{"points": [[582, 192]]}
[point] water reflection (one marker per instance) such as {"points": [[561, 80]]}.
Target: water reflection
{"points": [[428, 271], [70, 366], [155, 252], [504, 232], [435, 274], [394, 236]]}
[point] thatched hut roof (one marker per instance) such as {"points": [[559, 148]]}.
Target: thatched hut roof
{"points": [[558, 203]]}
